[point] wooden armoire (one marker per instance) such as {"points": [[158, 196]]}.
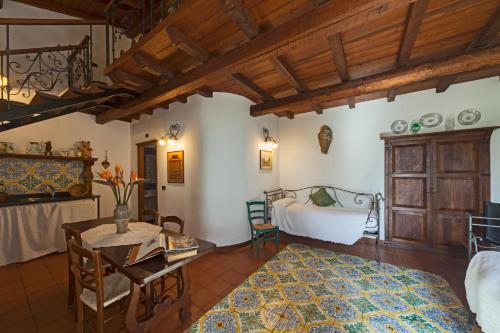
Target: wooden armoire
{"points": [[431, 181]]}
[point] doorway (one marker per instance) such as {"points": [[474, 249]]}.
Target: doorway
{"points": [[147, 165]]}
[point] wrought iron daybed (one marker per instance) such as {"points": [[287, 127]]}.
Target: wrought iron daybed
{"points": [[372, 203]]}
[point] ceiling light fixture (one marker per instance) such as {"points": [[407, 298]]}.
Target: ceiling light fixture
{"points": [[269, 140]]}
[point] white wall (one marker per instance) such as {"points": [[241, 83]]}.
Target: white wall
{"points": [[64, 131], [221, 144], [356, 157]]}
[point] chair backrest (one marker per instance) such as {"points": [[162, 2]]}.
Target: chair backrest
{"points": [[152, 214], [88, 271], [172, 219], [256, 211]]}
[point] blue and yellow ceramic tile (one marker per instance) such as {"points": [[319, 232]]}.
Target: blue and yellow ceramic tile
{"points": [[303, 289], [26, 176]]}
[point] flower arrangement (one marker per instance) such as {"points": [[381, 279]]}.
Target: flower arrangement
{"points": [[117, 183]]}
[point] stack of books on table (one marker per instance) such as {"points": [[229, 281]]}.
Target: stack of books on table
{"points": [[174, 248], [181, 247]]}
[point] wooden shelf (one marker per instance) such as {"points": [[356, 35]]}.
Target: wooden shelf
{"points": [[43, 157]]}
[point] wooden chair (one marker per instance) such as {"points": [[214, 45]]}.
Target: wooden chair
{"points": [[100, 291], [177, 274], [172, 219], [149, 213], [257, 211]]}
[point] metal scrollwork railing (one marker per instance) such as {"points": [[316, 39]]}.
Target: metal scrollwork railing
{"points": [[47, 69], [133, 19], [51, 69]]}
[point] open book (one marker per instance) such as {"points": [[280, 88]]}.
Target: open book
{"points": [[177, 248]]}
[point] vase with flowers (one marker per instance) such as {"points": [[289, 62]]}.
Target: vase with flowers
{"points": [[122, 192]]}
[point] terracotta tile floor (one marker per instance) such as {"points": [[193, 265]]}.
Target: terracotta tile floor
{"points": [[33, 294]]}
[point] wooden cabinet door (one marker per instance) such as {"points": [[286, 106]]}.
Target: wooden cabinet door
{"points": [[455, 188], [407, 188]]}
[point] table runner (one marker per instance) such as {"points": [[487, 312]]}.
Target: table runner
{"points": [[105, 235]]}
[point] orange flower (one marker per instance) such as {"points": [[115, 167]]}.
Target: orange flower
{"points": [[105, 174], [116, 180], [133, 176], [118, 170]]}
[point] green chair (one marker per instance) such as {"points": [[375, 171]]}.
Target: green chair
{"points": [[257, 211]]}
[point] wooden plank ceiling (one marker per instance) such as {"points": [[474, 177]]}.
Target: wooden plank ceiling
{"points": [[296, 56]]}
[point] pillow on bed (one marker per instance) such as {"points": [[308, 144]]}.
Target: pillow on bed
{"points": [[322, 198]]}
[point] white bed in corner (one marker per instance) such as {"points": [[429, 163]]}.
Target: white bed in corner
{"points": [[343, 225], [355, 214]]}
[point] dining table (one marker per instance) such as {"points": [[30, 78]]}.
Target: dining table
{"points": [[142, 275]]}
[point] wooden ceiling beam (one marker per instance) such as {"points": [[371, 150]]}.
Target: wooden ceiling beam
{"points": [[416, 14], [317, 108], [54, 7], [337, 48], [468, 62], [182, 99], [241, 17], [205, 91], [251, 87], [186, 44], [391, 95], [485, 36], [319, 23], [284, 68], [287, 114], [351, 103], [152, 66], [118, 77]]}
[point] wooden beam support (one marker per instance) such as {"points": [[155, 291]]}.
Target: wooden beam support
{"points": [[205, 91], [350, 102], [317, 24], [337, 48], [181, 99], [284, 68], [118, 76], [251, 87], [152, 66], [317, 108], [241, 17], [391, 95], [416, 13], [483, 38], [288, 114], [468, 62], [186, 44]]}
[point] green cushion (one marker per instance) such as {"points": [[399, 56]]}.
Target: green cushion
{"points": [[322, 198]]}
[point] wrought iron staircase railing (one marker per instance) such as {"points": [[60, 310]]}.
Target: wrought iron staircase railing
{"points": [[42, 83], [133, 19]]}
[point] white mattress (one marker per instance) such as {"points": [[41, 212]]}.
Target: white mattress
{"points": [[334, 224], [482, 286]]}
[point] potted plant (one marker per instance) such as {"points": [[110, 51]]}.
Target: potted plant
{"points": [[122, 192]]}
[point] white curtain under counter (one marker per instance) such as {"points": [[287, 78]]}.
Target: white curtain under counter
{"points": [[31, 231]]}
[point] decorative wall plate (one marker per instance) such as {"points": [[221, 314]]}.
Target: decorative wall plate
{"points": [[469, 117], [78, 190], [399, 126], [430, 120]]}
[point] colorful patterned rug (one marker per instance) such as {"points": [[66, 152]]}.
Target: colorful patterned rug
{"points": [[305, 289]]}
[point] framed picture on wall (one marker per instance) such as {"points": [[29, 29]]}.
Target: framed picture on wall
{"points": [[266, 160], [175, 167]]}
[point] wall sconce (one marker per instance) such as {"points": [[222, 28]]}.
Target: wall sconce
{"points": [[269, 140], [172, 137]]}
